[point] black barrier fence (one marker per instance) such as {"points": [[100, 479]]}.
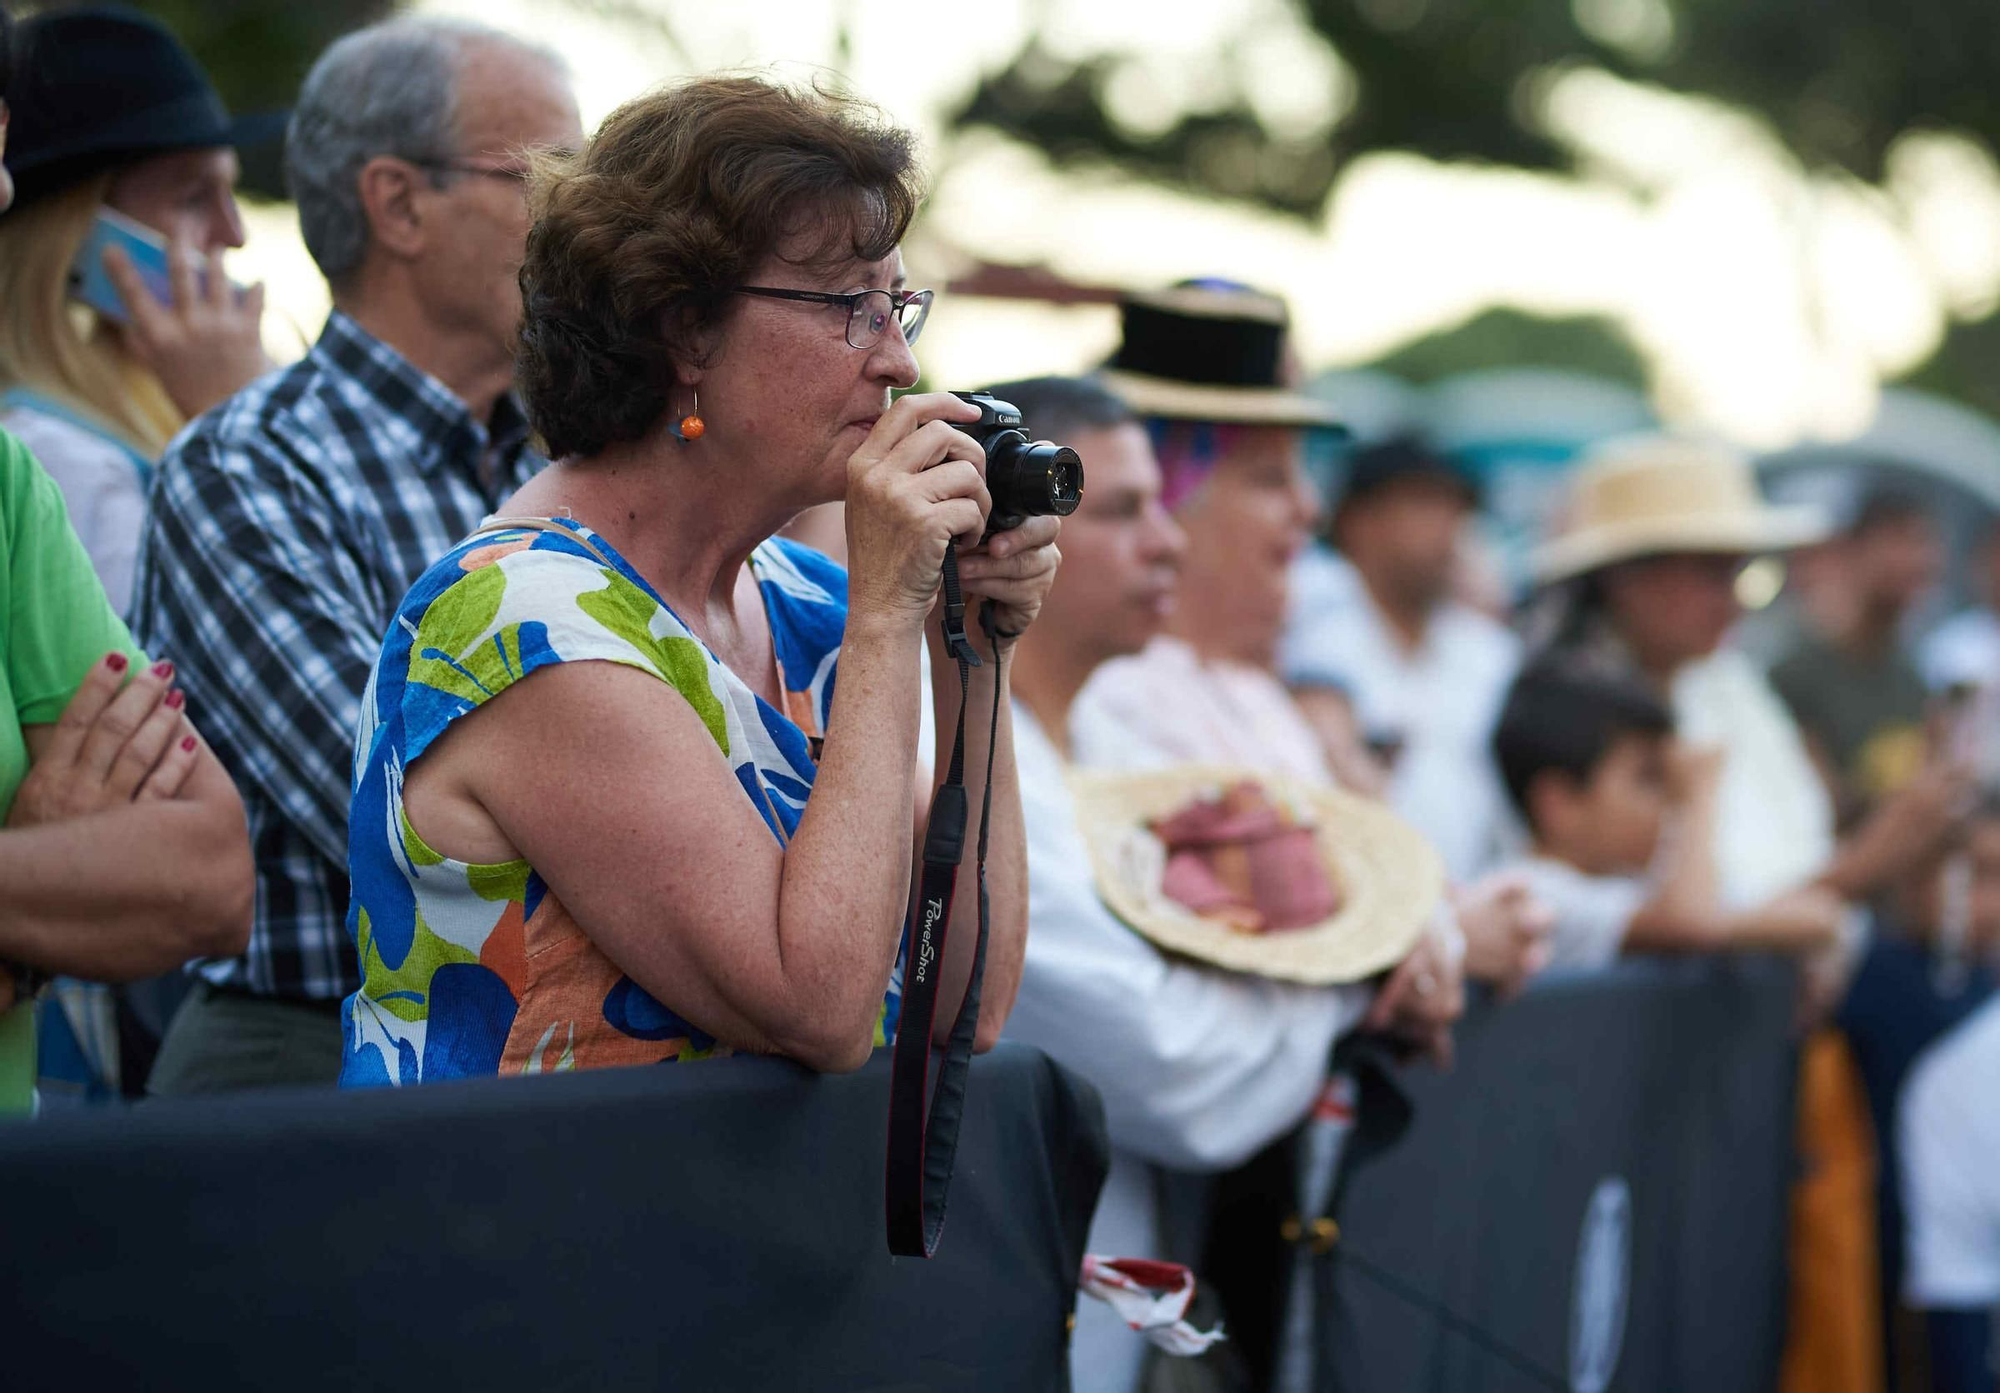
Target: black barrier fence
{"points": [[714, 1226], [1594, 1199]]}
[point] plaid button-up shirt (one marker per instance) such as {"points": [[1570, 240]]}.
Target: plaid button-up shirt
{"points": [[285, 527]]}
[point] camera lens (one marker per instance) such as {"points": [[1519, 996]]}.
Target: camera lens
{"points": [[1065, 481], [1032, 478], [1053, 476]]}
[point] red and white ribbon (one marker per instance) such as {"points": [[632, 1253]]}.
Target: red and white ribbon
{"points": [[1151, 1297]]}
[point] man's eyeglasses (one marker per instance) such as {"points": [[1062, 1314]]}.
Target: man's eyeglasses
{"points": [[491, 171], [869, 312]]}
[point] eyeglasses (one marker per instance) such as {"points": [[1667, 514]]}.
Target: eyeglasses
{"points": [[491, 171], [869, 312]]}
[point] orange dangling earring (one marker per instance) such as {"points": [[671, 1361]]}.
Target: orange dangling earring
{"points": [[691, 426]]}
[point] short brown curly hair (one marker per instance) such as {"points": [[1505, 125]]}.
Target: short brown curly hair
{"points": [[638, 241]]}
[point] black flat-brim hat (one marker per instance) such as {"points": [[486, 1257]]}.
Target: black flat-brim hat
{"points": [[95, 88], [1210, 353]]}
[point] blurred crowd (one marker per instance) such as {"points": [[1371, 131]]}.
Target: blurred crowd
{"points": [[619, 413]]}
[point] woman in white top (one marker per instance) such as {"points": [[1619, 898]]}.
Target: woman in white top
{"points": [[111, 115]]}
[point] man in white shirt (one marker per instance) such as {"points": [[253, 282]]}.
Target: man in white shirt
{"points": [[1950, 1135], [1423, 673], [1199, 1068]]}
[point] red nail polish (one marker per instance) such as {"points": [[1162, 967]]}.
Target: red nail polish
{"points": [[163, 670], [115, 661], [188, 744], [176, 699]]}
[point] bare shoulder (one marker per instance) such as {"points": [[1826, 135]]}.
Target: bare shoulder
{"points": [[567, 741]]}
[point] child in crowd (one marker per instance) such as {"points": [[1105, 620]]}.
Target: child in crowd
{"points": [[1620, 820]]}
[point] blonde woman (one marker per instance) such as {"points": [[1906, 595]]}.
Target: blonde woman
{"points": [[109, 112]]}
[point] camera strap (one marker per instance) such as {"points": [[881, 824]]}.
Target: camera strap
{"points": [[922, 1149]]}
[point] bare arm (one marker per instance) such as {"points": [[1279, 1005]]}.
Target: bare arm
{"points": [[132, 890], [679, 880], [1686, 914], [1900, 833], [1803, 921]]}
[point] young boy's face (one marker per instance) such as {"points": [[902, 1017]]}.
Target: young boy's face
{"points": [[1609, 824]]}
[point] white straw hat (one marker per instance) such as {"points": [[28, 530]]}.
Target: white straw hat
{"points": [[1655, 494]]}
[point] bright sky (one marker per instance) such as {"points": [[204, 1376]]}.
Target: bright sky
{"points": [[1772, 302]]}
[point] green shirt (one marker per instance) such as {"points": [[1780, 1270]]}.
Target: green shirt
{"points": [[54, 623], [1867, 713]]}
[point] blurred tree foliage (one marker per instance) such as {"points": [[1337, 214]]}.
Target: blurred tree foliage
{"points": [[1964, 366], [1838, 83], [256, 51], [1516, 338], [1453, 79]]}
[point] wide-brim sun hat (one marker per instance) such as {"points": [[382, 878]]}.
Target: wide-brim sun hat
{"points": [[1388, 877], [1658, 495], [1209, 352]]}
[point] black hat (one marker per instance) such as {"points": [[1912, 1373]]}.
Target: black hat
{"points": [[94, 88], [1402, 458], [1209, 351]]}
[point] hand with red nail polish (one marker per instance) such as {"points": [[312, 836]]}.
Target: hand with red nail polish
{"points": [[117, 740]]}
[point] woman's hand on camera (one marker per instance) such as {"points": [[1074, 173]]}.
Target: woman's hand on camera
{"points": [[1013, 572], [913, 485], [204, 347]]}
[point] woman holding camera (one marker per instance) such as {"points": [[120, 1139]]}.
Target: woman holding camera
{"points": [[582, 832]]}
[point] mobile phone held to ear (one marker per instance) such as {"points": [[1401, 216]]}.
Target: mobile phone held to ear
{"points": [[147, 250]]}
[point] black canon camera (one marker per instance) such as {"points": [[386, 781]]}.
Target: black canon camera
{"points": [[1027, 478]]}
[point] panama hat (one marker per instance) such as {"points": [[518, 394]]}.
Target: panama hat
{"points": [[1209, 351], [1388, 878], [1653, 495]]}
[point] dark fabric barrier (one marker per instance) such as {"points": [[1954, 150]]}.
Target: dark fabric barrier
{"points": [[709, 1226], [1598, 1191]]}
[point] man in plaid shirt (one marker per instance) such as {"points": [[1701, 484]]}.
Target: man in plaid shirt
{"points": [[286, 524]]}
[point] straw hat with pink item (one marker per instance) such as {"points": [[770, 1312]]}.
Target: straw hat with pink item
{"points": [[1257, 872]]}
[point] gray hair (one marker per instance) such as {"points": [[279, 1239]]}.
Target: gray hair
{"points": [[389, 89]]}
